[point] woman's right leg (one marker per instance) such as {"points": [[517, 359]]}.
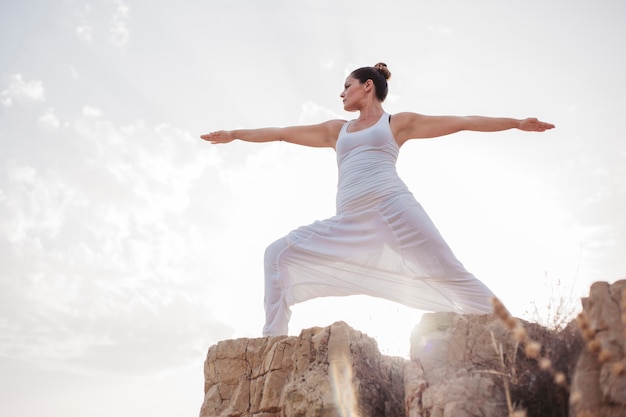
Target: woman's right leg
{"points": [[277, 312]]}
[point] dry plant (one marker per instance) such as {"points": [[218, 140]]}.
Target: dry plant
{"points": [[506, 377], [561, 307], [532, 349]]}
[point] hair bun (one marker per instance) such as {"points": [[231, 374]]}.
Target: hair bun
{"points": [[382, 68]]}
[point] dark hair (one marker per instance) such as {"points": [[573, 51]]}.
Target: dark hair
{"points": [[379, 74]]}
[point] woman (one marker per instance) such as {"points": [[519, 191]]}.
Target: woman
{"points": [[380, 242]]}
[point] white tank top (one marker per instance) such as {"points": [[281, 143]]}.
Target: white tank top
{"points": [[366, 161]]}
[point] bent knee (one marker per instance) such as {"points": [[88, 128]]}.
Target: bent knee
{"points": [[273, 251]]}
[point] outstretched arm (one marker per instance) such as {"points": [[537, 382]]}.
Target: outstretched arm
{"points": [[417, 126], [320, 135]]}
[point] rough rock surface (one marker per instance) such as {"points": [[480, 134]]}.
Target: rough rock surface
{"points": [[464, 364], [332, 371], [599, 385], [455, 360], [460, 366]]}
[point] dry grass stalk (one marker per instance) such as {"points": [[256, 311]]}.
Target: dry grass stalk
{"points": [[532, 348], [505, 379]]}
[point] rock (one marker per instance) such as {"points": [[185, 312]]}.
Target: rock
{"points": [[469, 364], [444, 350], [599, 385], [332, 371]]}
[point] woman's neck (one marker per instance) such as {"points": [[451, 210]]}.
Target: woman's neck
{"points": [[370, 112]]}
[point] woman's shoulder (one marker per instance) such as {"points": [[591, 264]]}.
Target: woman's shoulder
{"points": [[334, 125], [399, 121], [406, 116], [335, 122]]}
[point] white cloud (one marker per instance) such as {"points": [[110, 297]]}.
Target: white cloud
{"points": [[102, 261], [91, 111], [20, 90], [34, 205], [84, 33], [90, 24], [312, 112], [84, 30], [49, 120], [120, 33]]}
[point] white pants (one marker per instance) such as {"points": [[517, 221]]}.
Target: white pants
{"points": [[392, 251]]}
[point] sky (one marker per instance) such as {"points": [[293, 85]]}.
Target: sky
{"points": [[128, 246]]}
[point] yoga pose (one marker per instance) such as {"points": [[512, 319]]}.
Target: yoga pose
{"points": [[380, 242]]}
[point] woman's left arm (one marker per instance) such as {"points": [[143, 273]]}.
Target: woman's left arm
{"points": [[417, 126]]}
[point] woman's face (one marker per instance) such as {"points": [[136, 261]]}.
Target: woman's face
{"points": [[352, 94]]}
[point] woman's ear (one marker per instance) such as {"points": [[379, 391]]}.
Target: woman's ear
{"points": [[369, 84]]}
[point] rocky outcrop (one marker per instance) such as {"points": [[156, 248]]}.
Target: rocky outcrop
{"points": [[599, 383], [456, 362], [459, 366], [474, 366], [332, 371]]}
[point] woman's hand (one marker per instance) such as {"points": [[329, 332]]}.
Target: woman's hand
{"points": [[221, 136], [533, 125]]}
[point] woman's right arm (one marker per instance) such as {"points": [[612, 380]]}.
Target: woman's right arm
{"points": [[319, 135]]}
